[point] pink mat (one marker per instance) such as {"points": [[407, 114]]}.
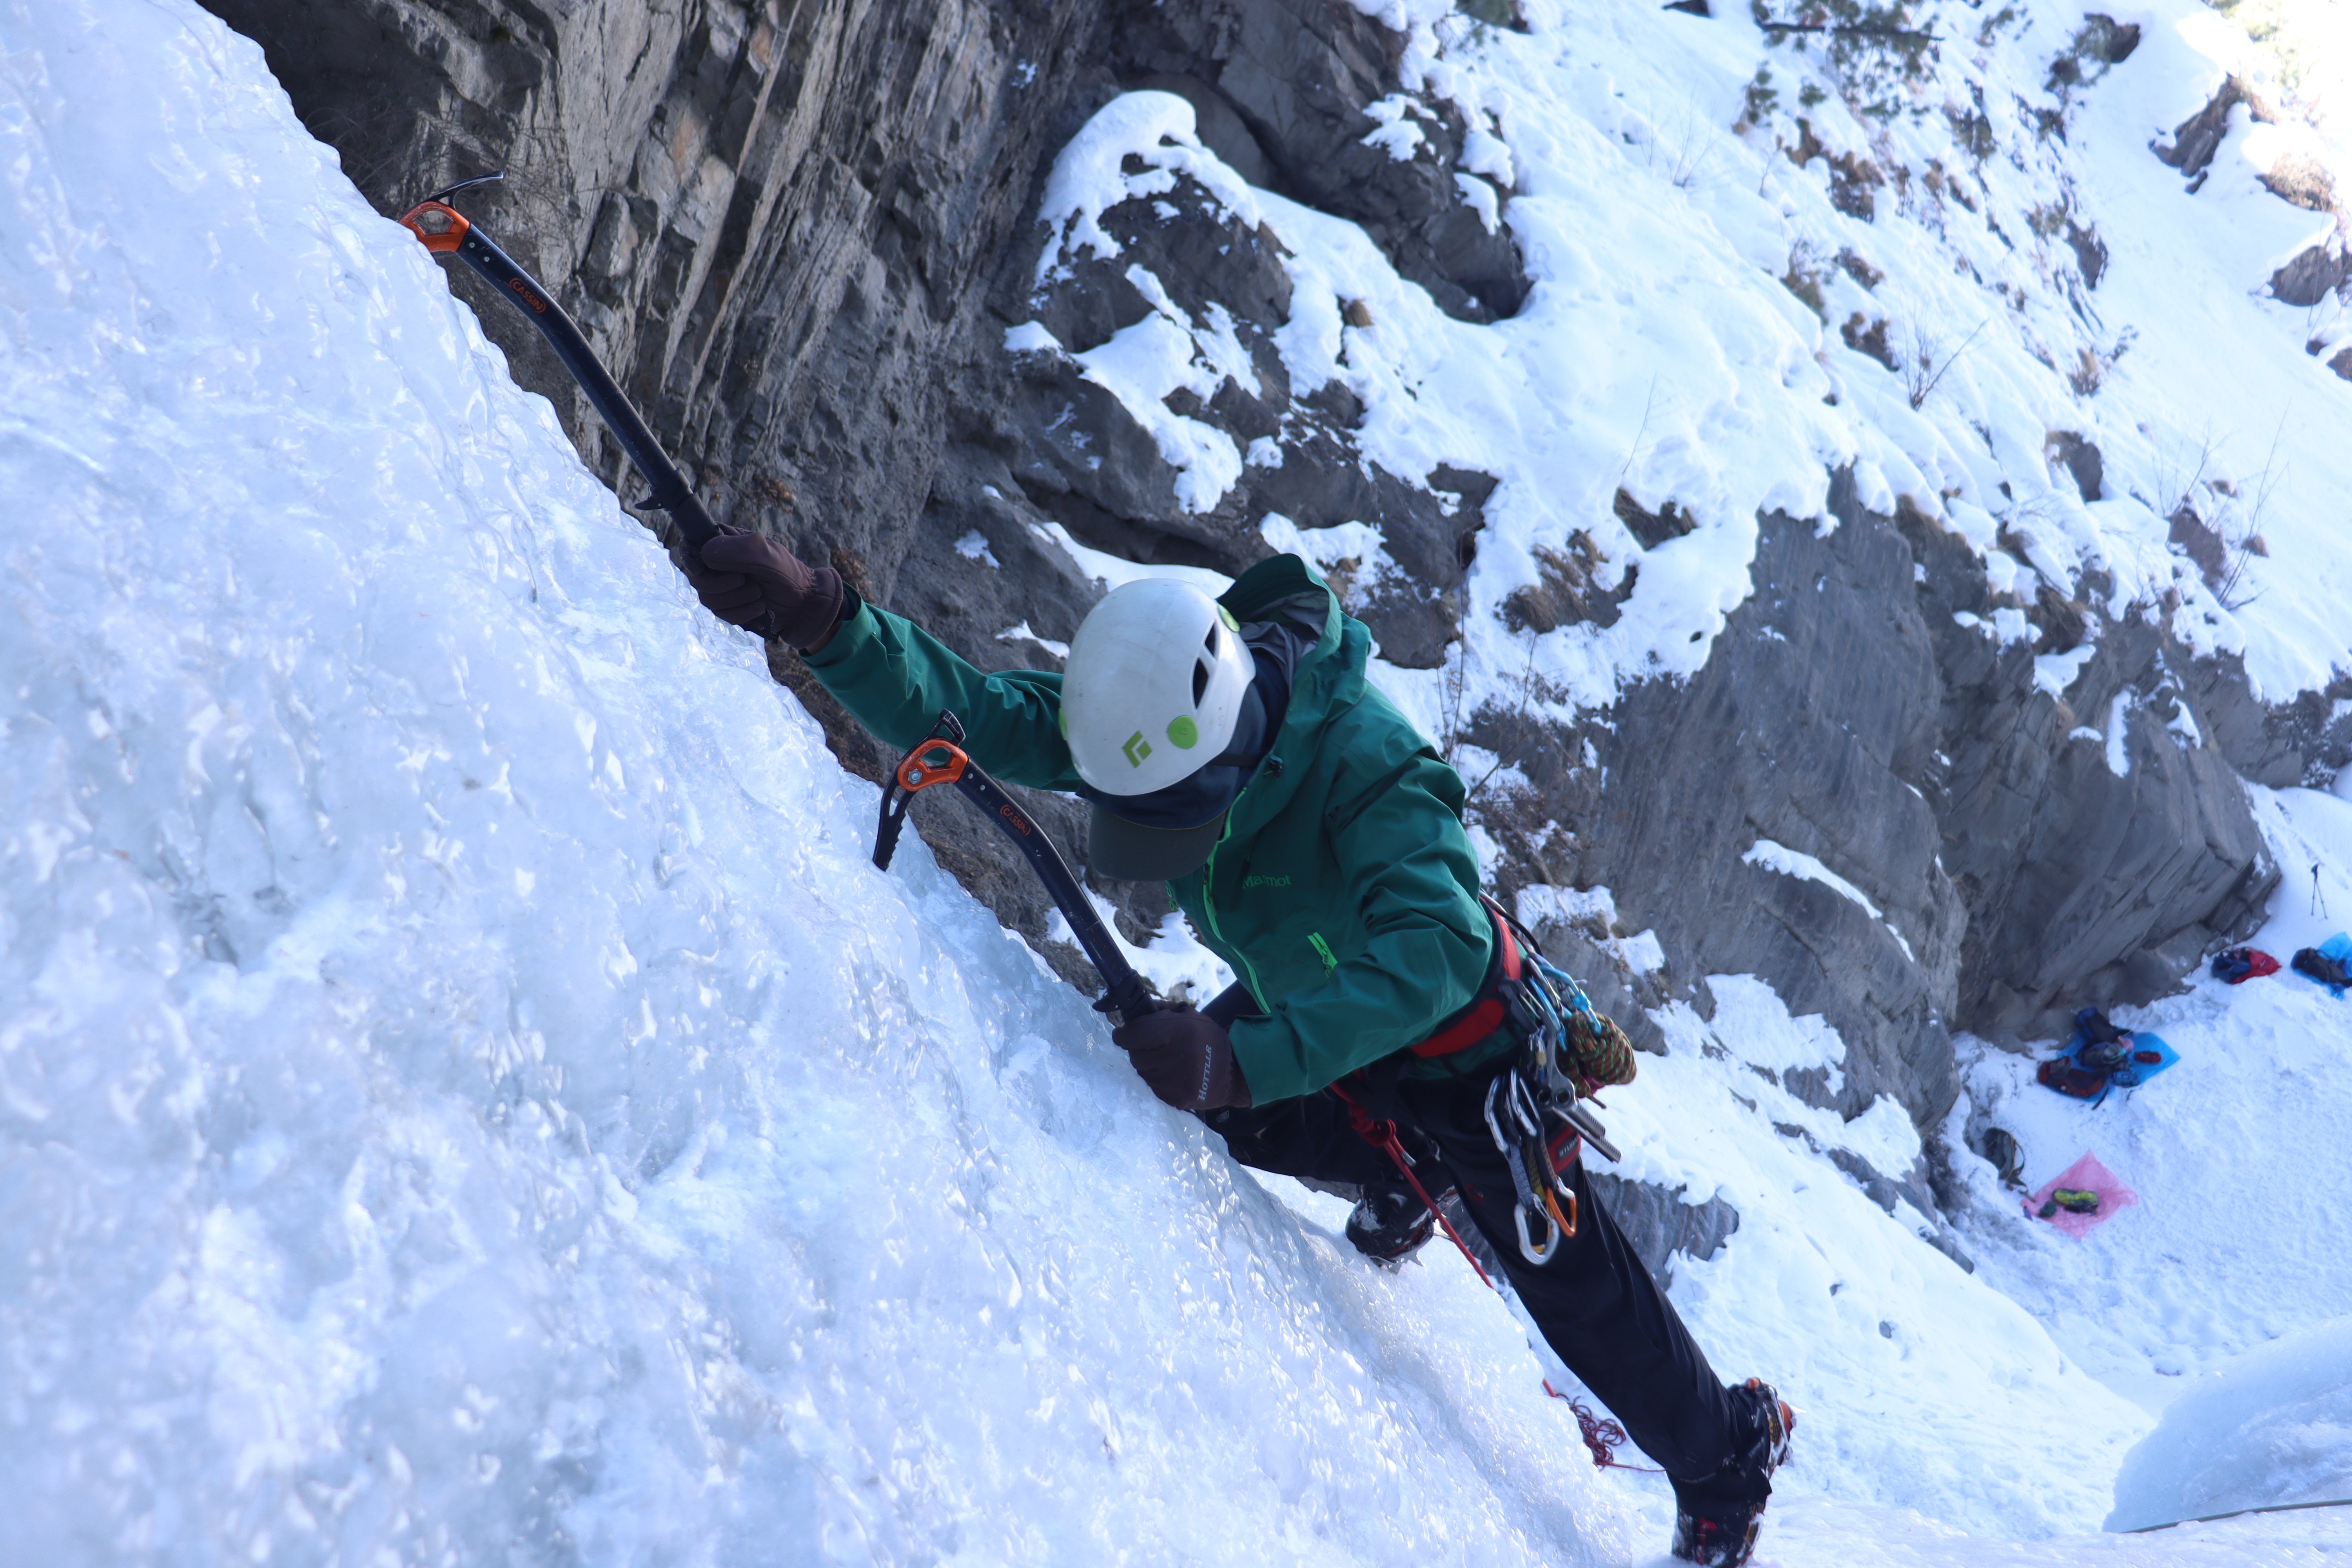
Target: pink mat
{"points": [[2086, 1173]]}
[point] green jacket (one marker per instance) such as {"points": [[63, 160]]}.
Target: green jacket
{"points": [[1344, 892]]}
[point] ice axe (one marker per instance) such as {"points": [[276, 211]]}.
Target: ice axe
{"points": [[448, 232], [940, 759]]}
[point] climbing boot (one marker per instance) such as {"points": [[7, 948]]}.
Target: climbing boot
{"points": [[1390, 1223], [1717, 1526]]}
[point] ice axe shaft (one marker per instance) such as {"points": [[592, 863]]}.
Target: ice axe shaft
{"points": [[939, 760], [448, 232]]}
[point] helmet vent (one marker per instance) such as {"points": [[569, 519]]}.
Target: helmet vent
{"points": [[1200, 679]]}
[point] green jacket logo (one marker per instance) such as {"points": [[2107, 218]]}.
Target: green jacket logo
{"points": [[1265, 881], [1137, 748]]}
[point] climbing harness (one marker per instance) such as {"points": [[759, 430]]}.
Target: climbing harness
{"points": [[1602, 1437], [1538, 1090], [1532, 1113], [1532, 1107], [940, 759]]}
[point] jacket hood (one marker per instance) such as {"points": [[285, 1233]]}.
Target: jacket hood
{"points": [[1328, 680]]}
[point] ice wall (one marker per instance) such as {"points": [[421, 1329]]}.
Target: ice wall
{"points": [[463, 1093], [2274, 1429]]}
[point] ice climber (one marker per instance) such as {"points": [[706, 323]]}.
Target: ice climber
{"points": [[1234, 749]]}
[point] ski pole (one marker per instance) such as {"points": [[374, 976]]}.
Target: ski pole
{"points": [[448, 232], [939, 760]]}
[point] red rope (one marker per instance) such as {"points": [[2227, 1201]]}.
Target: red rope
{"points": [[1382, 1135], [1601, 1436]]}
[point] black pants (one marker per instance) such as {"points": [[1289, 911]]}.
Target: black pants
{"points": [[1594, 1301]]}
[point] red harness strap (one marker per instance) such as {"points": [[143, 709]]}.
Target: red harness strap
{"points": [[1483, 1015], [1486, 1012]]}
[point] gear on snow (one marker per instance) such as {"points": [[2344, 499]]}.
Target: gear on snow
{"points": [[2073, 1200], [2330, 964], [2101, 1057], [2237, 965]]}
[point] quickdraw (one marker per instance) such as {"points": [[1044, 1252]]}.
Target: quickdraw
{"points": [[1527, 1099], [1541, 1003], [1517, 1124]]}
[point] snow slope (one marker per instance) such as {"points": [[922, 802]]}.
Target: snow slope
{"points": [[465, 1096], [2232, 1153], [1699, 294], [1663, 352]]}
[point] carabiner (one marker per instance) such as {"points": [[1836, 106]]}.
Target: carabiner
{"points": [[1538, 1255], [1519, 1155]]}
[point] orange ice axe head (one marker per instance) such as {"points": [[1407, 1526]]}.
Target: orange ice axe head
{"points": [[441, 227]]}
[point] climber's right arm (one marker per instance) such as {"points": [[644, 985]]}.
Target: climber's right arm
{"points": [[893, 675]]}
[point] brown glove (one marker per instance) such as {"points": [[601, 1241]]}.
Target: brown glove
{"points": [[742, 577], [1185, 1057]]}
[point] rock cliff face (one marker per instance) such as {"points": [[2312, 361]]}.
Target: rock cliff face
{"points": [[797, 233], [800, 229]]}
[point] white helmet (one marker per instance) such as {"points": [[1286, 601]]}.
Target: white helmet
{"points": [[1154, 686]]}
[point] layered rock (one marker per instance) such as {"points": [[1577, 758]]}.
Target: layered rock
{"points": [[808, 297]]}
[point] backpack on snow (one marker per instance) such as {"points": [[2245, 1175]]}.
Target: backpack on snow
{"points": [[2099, 1045], [2240, 964], [2100, 1056], [2329, 971], [2082, 1083], [2002, 1151]]}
